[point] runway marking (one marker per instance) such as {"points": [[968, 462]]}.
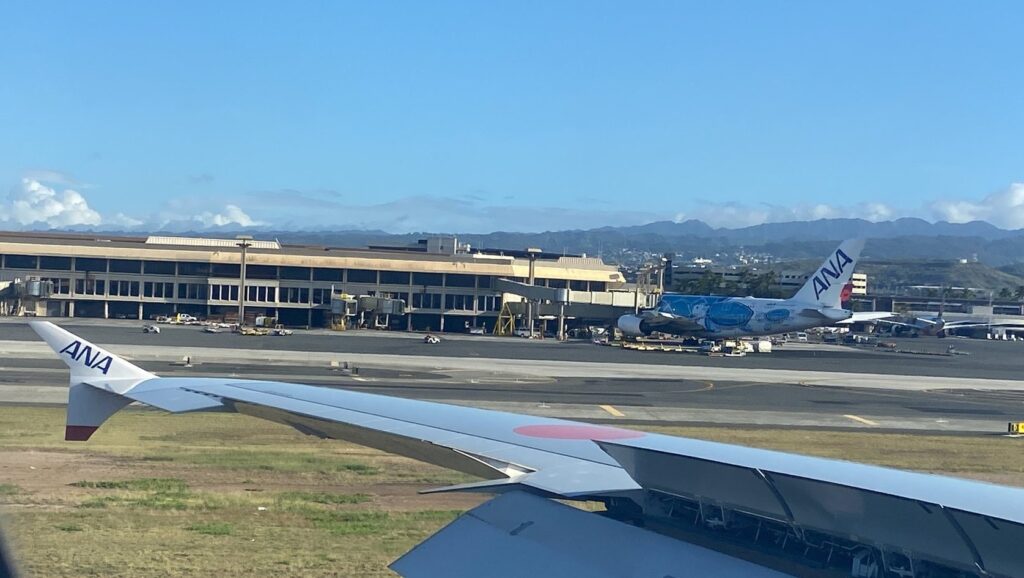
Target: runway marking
{"points": [[860, 419], [502, 380], [612, 410]]}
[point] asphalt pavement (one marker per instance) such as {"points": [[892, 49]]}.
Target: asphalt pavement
{"points": [[922, 356], [545, 378]]}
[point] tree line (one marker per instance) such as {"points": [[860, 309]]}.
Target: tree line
{"points": [[747, 284], [752, 284]]}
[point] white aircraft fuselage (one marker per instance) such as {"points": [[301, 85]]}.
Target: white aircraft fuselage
{"points": [[724, 317], [816, 304]]}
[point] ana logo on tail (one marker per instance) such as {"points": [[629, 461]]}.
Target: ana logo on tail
{"points": [[833, 269], [94, 359]]}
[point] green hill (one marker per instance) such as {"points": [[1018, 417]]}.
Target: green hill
{"points": [[888, 276], [894, 275]]}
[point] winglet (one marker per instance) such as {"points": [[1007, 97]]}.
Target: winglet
{"points": [[89, 362], [98, 377]]}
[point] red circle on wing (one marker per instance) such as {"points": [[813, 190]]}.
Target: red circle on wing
{"points": [[577, 432]]}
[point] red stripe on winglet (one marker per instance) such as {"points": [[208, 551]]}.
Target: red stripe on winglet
{"points": [[78, 433]]}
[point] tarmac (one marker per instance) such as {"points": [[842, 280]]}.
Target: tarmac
{"points": [[798, 385]]}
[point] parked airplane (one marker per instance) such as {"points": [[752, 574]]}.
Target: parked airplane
{"points": [[939, 326], [932, 325], [923, 325], [813, 514], [817, 303]]}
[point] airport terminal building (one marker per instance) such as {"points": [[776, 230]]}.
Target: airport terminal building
{"points": [[443, 284]]}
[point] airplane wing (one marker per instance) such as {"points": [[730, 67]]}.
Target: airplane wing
{"points": [[679, 325], [863, 316], [981, 323], [905, 324], [671, 503], [669, 323]]}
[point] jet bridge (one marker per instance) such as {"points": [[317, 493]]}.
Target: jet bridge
{"points": [[599, 306]]}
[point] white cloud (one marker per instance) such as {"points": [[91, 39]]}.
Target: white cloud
{"points": [[37, 203], [1004, 208], [467, 214], [52, 177], [735, 215], [231, 215], [51, 202], [123, 220], [876, 211], [33, 203]]}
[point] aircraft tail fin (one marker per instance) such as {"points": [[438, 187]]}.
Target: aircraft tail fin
{"points": [[98, 378], [825, 287]]}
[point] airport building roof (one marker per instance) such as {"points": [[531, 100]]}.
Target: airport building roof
{"points": [[446, 258]]}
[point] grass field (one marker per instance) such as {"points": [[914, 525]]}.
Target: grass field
{"points": [[226, 495]]}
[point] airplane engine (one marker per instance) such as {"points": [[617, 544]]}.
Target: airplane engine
{"points": [[633, 326]]}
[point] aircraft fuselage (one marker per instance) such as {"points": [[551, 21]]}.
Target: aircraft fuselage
{"points": [[722, 317]]}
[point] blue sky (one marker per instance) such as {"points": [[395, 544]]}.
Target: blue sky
{"points": [[476, 116]]}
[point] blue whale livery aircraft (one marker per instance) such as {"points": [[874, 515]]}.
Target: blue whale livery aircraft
{"points": [[817, 303], [755, 513]]}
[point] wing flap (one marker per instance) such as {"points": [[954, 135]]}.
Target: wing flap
{"points": [[916, 513], [518, 534]]}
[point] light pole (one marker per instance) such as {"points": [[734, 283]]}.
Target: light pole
{"points": [[244, 241], [532, 252]]}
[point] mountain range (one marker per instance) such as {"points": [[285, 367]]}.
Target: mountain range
{"points": [[905, 238], [899, 239]]}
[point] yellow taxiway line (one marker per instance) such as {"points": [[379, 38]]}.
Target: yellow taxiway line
{"points": [[860, 419], [612, 410]]}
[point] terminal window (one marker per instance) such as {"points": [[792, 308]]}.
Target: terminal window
{"points": [[321, 296], [394, 277], [488, 303], [459, 302], [20, 261], [362, 276], [124, 288], [435, 279], [154, 289], [294, 295], [55, 263], [159, 267], [426, 300], [321, 274], [61, 285], [125, 266], [295, 273], [459, 280], [225, 270], [261, 294], [261, 272], [90, 264], [193, 291], [90, 287], [194, 269], [224, 292]]}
